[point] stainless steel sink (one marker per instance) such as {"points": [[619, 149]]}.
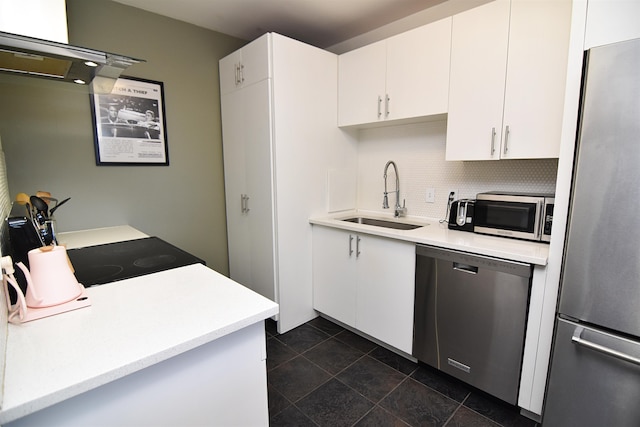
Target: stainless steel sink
{"points": [[382, 223]]}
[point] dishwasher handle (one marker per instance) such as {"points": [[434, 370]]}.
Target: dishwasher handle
{"points": [[465, 268]]}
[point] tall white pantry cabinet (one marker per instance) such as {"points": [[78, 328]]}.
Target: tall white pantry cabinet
{"points": [[280, 140]]}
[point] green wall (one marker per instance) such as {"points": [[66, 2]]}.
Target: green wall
{"points": [[47, 134]]}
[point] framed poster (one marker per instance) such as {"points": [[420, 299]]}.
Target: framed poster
{"points": [[129, 124]]}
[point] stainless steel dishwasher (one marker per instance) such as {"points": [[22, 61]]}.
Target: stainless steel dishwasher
{"points": [[470, 317]]}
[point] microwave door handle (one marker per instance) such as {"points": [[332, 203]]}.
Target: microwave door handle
{"points": [[540, 220]]}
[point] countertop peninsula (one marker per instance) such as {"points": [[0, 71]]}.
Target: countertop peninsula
{"points": [[131, 325]]}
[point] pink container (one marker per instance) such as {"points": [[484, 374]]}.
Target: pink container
{"points": [[50, 280]]}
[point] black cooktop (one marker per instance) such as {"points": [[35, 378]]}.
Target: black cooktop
{"points": [[100, 264]]}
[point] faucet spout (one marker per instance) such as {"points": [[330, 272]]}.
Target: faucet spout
{"points": [[399, 210]]}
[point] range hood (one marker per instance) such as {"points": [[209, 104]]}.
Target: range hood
{"points": [[60, 61]]}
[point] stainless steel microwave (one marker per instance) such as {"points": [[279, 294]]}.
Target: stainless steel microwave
{"points": [[519, 215]]}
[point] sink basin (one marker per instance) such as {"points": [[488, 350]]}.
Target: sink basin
{"points": [[383, 223]]}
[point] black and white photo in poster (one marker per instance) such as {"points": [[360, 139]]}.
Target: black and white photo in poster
{"points": [[129, 124]]}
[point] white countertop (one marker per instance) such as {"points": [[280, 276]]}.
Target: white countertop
{"points": [[437, 234], [99, 236], [131, 324]]}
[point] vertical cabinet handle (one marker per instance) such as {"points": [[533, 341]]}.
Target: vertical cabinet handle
{"points": [[506, 140], [244, 203], [351, 246], [386, 105], [493, 141], [379, 106], [239, 70]]}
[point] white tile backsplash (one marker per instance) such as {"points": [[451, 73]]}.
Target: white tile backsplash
{"points": [[342, 189], [419, 152]]}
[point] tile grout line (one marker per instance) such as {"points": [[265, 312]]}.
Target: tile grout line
{"points": [[475, 412], [461, 404], [406, 378]]}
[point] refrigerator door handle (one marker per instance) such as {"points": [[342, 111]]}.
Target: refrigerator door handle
{"points": [[577, 339]]}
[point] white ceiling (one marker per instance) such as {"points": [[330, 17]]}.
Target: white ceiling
{"points": [[322, 23]]}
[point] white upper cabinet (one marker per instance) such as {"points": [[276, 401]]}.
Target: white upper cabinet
{"points": [[479, 43], [42, 19], [403, 77], [361, 84], [418, 71], [245, 66], [508, 74], [611, 21]]}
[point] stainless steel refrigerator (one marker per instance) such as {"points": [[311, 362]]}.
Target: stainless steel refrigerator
{"points": [[595, 369]]}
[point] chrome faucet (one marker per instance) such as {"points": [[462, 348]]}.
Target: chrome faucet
{"points": [[399, 211]]}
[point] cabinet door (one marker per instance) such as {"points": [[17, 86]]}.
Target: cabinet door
{"points": [[247, 166], [385, 294], [417, 78], [476, 88], [610, 22], [258, 168], [536, 76], [245, 66], [334, 273], [238, 234], [255, 60], [361, 85], [229, 72]]}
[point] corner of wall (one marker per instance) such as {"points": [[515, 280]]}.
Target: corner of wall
{"points": [[5, 206]]}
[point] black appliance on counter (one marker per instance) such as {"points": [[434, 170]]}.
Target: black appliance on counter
{"points": [[20, 236], [461, 215], [23, 234], [100, 264]]}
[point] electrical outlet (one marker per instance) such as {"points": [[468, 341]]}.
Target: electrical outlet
{"points": [[431, 195]]}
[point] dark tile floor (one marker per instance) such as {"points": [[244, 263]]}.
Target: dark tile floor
{"points": [[321, 374]]}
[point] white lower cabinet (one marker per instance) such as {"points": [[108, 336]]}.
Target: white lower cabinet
{"points": [[366, 282], [334, 273]]}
